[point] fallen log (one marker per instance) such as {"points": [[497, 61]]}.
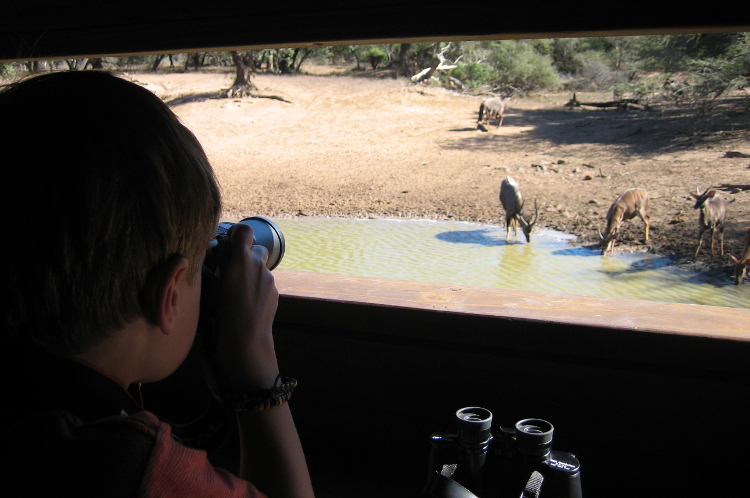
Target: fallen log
{"points": [[620, 104]]}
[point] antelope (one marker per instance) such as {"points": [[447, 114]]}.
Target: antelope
{"points": [[712, 208], [632, 203], [492, 108], [740, 265], [515, 214]]}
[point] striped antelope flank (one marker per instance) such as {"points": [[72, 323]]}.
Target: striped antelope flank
{"points": [[712, 209], [632, 203], [515, 214], [740, 265]]}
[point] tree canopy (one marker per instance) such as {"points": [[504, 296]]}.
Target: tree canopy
{"points": [[695, 68]]}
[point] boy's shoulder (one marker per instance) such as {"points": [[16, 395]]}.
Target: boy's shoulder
{"points": [[54, 451], [119, 456], [68, 427], [65, 425]]}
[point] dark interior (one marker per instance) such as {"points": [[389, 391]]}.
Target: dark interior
{"points": [[652, 407], [647, 414]]}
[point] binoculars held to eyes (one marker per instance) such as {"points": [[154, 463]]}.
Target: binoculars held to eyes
{"points": [[265, 233]]}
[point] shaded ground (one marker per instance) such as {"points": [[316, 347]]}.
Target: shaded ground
{"points": [[359, 147]]}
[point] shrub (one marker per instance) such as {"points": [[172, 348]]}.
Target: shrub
{"points": [[641, 90], [375, 55], [10, 69], [474, 74], [713, 76], [565, 56], [520, 65]]}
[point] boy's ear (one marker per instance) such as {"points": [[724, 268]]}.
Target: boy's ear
{"points": [[160, 299]]}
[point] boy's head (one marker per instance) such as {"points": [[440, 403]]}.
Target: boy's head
{"points": [[102, 186]]}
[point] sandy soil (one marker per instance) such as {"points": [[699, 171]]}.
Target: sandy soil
{"points": [[365, 147]]}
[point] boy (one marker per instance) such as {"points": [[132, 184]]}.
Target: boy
{"points": [[113, 203]]}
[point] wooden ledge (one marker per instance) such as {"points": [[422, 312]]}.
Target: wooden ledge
{"points": [[632, 335], [599, 312]]}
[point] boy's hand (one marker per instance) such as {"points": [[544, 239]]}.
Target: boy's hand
{"points": [[249, 298], [272, 456]]}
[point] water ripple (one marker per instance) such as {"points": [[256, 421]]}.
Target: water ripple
{"points": [[478, 255]]}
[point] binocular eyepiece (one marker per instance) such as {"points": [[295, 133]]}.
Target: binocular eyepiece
{"points": [[474, 427], [534, 437], [512, 462]]}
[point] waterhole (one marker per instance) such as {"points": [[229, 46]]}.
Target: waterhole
{"points": [[478, 255]]}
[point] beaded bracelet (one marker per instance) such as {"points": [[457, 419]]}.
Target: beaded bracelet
{"points": [[265, 398]]}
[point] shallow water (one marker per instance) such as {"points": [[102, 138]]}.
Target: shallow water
{"points": [[478, 255]]}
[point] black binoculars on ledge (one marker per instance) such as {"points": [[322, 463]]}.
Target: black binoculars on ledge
{"points": [[517, 462]]}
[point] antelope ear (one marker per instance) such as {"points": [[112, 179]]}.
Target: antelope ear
{"points": [[712, 193], [734, 259], [695, 196]]}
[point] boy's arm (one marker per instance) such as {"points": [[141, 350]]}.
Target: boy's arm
{"points": [[279, 469], [272, 457]]}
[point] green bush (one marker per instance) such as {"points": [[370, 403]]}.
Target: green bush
{"points": [[598, 73], [10, 69], [474, 74], [565, 55], [713, 76], [641, 90], [520, 65], [375, 55]]}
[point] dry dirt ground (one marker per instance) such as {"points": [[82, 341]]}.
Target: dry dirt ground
{"points": [[363, 147]]}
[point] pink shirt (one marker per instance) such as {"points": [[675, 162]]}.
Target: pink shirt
{"points": [[177, 471]]}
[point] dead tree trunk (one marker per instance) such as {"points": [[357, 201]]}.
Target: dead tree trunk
{"points": [[242, 85], [426, 76], [404, 63], [440, 63], [76, 64], [157, 61]]}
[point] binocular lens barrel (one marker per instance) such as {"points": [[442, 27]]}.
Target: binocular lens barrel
{"points": [[266, 234]]}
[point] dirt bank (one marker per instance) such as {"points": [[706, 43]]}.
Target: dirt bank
{"points": [[359, 147]]}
